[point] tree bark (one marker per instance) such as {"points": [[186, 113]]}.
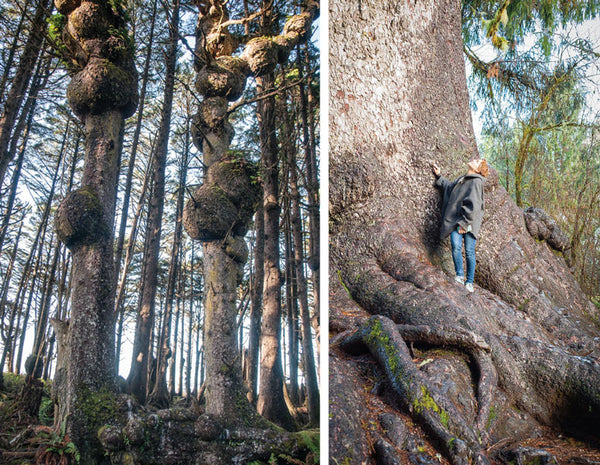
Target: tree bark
{"points": [[138, 381], [271, 403], [256, 287], [20, 81], [399, 96], [102, 94]]}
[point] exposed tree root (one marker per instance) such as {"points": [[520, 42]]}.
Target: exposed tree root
{"points": [[429, 407], [180, 437], [386, 455]]}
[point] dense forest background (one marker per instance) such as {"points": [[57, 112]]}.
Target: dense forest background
{"points": [[42, 146]]}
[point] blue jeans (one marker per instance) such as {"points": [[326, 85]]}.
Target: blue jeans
{"points": [[456, 240]]}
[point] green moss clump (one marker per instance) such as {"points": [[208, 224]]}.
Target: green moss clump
{"points": [[427, 402], [98, 407], [491, 417], [124, 37]]}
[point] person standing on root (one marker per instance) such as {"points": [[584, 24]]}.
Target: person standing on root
{"points": [[462, 211]]}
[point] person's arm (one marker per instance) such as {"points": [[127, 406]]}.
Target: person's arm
{"points": [[471, 206], [440, 181]]}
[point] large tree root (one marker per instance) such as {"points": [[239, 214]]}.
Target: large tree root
{"points": [[524, 375], [430, 408], [471, 343], [180, 437]]}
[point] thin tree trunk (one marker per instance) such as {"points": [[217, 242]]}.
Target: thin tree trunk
{"points": [[271, 403], [176, 330], [7, 338], [256, 290], [197, 366], [138, 381], [160, 393], [312, 184], [291, 307], [134, 145], [310, 371], [18, 349], [20, 82], [181, 312], [42, 320], [119, 310]]}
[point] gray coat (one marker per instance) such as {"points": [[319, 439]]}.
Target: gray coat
{"points": [[462, 204]]}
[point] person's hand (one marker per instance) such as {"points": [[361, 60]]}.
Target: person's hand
{"points": [[461, 230], [436, 169]]}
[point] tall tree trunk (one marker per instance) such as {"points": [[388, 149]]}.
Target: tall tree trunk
{"points": [[21, 80], [228, 190], [188, 366], [310, 368], [220, 209], [138, 382], [291, 306], [256, 289], [134, 145], [175, 350], [271, 403], [7, 337], [119, 310], [181, 313], [312, 180], [393, 279], [160, 394], [102, 94]]}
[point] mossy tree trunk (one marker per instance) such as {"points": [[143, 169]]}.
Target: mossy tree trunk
{"points": [[102, 93], [398, 102], [219, 211]]}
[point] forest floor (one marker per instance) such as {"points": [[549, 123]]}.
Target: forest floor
{"points": [[31, 440], [27, 440]]}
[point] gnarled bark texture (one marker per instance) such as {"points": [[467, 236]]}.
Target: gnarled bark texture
{"points": [[526, 339], [219, 211], [102, 94]]}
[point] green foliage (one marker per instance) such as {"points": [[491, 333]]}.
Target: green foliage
{"points": [[56, 22], [54, 444], [512, 20], [46, 413], [123, 34], [13, 382]]}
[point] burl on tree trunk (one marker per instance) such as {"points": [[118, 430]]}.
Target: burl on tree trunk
{"points": [[218, 213], [101, 93], [496, 365]]}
